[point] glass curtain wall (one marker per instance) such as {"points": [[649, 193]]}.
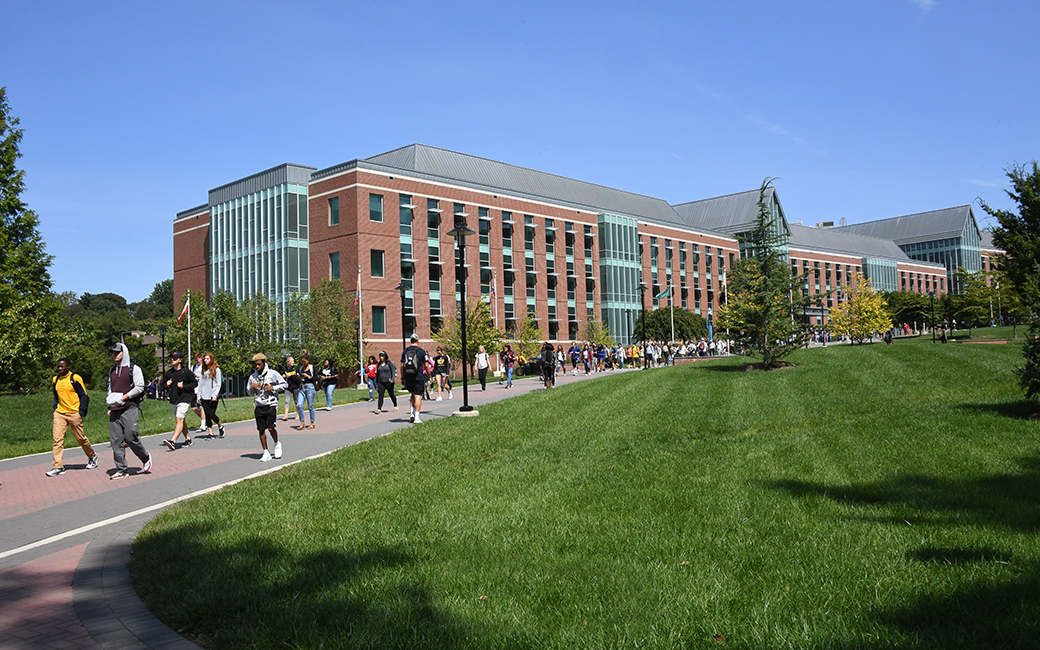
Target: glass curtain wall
{"points": [[619, 275]]}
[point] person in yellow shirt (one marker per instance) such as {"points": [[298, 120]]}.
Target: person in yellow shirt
{"points": [[70, 407]]}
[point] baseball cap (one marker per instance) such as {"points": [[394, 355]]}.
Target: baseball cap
{"points": [[176, 355]]}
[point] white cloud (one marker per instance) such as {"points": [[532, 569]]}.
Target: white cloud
{"points": [[983, 183], [924, 5]]}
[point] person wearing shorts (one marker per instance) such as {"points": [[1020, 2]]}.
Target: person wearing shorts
{"points": [[180, 381], [264, 385], [441, 368], [414, 383]]}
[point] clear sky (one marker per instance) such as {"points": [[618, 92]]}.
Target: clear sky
{"points": [[133, 111]]}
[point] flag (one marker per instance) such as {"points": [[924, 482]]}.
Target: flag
{"points": [[357, 296], [664, 294], [494, 281], [187, 306]]}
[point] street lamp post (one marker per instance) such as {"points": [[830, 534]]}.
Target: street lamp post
{"points": [[402, 289], [162, 335], [459, 232], [642, 306]]}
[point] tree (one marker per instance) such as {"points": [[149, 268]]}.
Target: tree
{"points": [[863, 314], [596, 334], [29, 314], [332, 327], [162, 299], [526, 337], [1019, 237], [480, 330], [908, 307], [24, 264], [688, 325], [973, 303], [766, 304]]}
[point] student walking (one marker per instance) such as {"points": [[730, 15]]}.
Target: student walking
{"points": [[181, 383], [292, 389], [125, 392], [482, 363], [368, 371], [70, 407], [386, 375], [210, 384], [413, 375], [441, 368], [508, 359], [196, 404], [306, 373], [329, 377], [264, 385]]}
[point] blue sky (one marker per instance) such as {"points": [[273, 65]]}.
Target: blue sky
{"points": [[862, 110]]}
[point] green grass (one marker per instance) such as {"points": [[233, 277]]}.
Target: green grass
{"points": [[873, 497], [28, 421]]}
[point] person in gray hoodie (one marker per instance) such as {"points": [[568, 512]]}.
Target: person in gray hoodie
{"points": [[264, 385], [125, 392]]}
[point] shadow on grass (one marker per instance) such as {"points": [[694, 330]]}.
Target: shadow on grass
{"points": [[1020, 410], [988, 613], [259, 594]]}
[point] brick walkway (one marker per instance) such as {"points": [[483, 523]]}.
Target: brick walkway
{"points": [[64, 541]]}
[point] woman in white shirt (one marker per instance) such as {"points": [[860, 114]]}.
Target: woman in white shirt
{"points": [[482, 364]]}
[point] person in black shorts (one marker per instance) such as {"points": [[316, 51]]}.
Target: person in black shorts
{"points": [[264, 385], [413, 375]]}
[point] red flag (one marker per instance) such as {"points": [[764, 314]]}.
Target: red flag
{"points": [[187, 305]]}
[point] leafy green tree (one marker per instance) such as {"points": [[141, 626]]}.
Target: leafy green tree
{"points": [[162, 299], [29, 314], [973, 303], [908, 307], [597, 334], [863, 314], [480, 330], [688, 325], [764, 314], [331, 325], [526, 337], [1019, 237]]}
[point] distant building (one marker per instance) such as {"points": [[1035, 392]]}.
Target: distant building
{"points": [[561, 250]]}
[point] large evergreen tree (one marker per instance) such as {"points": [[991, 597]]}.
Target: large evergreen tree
{"points": [[1019, 237], [766, 309], [29, 312]]}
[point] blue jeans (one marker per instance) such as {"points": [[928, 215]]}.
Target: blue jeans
{"points": [[306, 394], [332, 387], [509, 376], [371, 390]]}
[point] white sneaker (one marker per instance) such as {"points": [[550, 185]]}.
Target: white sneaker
{"points": [[416, 420], [266, 457], [450, 396], [277, 450], [328, 408], [440, 399]]}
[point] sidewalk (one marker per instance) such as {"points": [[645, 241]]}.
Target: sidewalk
{"points": [[65, 541]]}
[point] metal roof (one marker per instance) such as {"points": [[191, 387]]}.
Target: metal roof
{"points": [[920, 227], [730, 214], [286, 173], [987, 241], [496, 177], [829, 240]]}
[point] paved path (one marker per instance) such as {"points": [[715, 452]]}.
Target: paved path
{"points": [[65, 541]]}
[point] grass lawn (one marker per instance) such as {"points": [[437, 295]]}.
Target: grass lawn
{"points": [[873, 497], [28, 420]]}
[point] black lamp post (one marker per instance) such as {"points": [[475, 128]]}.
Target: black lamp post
{"points": [[642, 306], [459, 232], [162, 335], [402, 289], [931, 295]]}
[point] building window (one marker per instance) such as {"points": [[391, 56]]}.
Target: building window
{"points": [[377, 263], [334, 266], [334, 211], [375, 207], [379, 320]]}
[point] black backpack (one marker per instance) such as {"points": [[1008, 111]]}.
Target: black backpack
{"points": [[410, 366]]}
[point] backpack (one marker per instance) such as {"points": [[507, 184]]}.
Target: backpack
{"points": [[410, 366]]}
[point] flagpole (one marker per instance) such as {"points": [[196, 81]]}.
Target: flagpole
{"points": [[360, 338], [189, 324], [671, 306]]}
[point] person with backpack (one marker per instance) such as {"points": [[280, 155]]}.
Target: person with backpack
{"points": [[70, 408], [264, 385], [329, 377], [508, 359], [547, 359], [181, 383], [368, 371], [482, 362], [210, 384], [413, 375], [125, 392], [441, 368], [386, 375], [308, 378]]}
